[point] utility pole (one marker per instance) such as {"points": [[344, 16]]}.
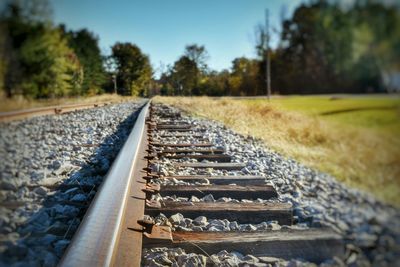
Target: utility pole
{"points": [[267, 59], [114, 76]]}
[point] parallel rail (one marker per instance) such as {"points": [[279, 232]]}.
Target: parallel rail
{"points": [[114, 231], [28, 113]]}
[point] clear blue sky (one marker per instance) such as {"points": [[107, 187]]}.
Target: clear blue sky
{"points": [[162, 28]]}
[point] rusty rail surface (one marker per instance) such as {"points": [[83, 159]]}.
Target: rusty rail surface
{"points": [[27, 113], [96, 240]]}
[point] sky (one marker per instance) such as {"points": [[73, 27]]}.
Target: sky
{"points": [[162, 28]]}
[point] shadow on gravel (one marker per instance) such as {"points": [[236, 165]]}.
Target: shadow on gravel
{"points": [[46, 233]]}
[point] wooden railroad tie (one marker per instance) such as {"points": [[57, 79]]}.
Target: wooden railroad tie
{"points": [[173, 126], [182, 144], [194, 150], [209, 157], [222, 179], [181, 135], [315, 245], [176, 130], [218, 191], [240, 212], [224, 166]]}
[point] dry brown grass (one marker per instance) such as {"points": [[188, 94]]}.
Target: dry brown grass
{"points": [[18, 103], [364, 158]]}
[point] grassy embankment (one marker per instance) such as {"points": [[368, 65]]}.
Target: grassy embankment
{"points": [[23, 103], [355, 139]]}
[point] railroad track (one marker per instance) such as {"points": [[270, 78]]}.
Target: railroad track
{"points": [[28, 113], [124, 218]]}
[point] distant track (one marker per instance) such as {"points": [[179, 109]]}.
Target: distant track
{"points": [[114, 230], [28, 113]]}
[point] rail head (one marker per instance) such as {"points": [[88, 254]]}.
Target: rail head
{"points": [[95, 240]]}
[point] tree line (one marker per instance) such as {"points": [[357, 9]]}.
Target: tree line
{"points": [[324, 47], [43, 60]]}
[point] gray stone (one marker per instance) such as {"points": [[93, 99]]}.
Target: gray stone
{"points": [[250, 259], [79, 198], [233, 226], [8, 185], [208, 198], [15, 250], [194, 199], [200, 221], [42, 191], [58, 229], [197, 228], [40, 218], [274, 226], [163, 259], [176, 219], [215, 228], [72, 190], [249, 227], [366, 240], [60, 246], [216, 223], [50, 260], [55, 165]]}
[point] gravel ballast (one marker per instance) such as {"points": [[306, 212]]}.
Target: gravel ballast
{"points": [[370, 228], [51, 167]]}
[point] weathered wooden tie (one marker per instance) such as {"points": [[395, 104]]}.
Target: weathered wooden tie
{"points": [[193, 150], [181, 135], [181, 144], [209, 157], [169, 115], [240, 212], [315, 245], [218, 191], [224, 166], [221, 180], [173, 126]]}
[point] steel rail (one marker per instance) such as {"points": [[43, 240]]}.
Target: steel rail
{"points": [[96, 239], [27, 113]]}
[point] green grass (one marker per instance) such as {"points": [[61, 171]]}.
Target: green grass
{"points": [[373, 112]]}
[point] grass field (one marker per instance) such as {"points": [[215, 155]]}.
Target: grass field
{"points": [[356, 139], [23, 103]]}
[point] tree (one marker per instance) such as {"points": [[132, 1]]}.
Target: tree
{"points": [[134, 71], [215, 83], [245, 77], [51, 69], [39, 62], [187, 73], [85, 46], [184, 76], [198, 56]]}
